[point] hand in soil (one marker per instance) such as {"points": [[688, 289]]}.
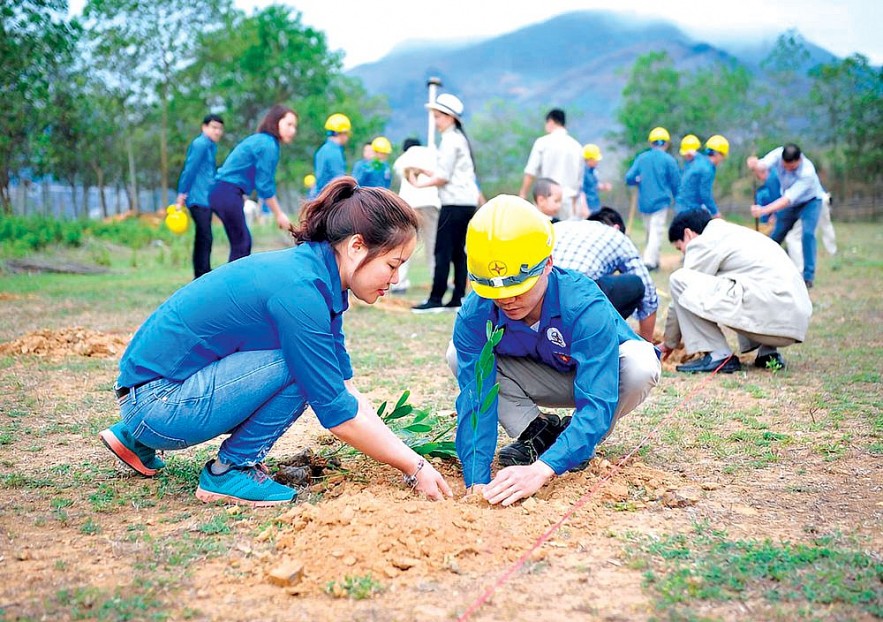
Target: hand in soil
{"points": [[432, 484], [517, 482]]}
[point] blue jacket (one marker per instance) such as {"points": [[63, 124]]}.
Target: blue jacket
{"points": [[590, 189], [768, 192], [373, 174], [289, 299], [198, 174], [329, 163], [252, 165], [579, 331], [659, 179], [696, 186]]}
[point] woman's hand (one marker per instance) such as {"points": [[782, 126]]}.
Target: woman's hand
{"points": [[283, 221], [518, 482], [432, 484]]}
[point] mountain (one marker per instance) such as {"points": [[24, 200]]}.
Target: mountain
{"points": [[577, 61]]}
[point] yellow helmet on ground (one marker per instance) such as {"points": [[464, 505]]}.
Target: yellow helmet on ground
{"points": [[591, 152], [381, 145], [309, 180], [338, 123], [176, 219], [507, 244], [659, 133], [718, 143], [690, 142]]}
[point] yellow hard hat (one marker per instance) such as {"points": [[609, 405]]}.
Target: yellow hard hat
{"points": [[176, 219], [338, 123], [309, 180], [659, 133], [690, 142], [381, 145], [591, 152], [718, 143], [507, 244]]}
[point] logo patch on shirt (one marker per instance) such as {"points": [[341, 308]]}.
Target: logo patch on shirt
{"points": [[554, 335]]}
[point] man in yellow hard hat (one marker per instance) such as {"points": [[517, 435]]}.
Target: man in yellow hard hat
{"points": [[697, 182], [591, 185], [657, 177], [330, 160], [375, 172], [563, 345], [690, 144]]}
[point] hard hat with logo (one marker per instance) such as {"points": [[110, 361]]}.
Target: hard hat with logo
{"points": [[338, 123], [689, 143], [176, 219], [381, 145], [448, 104], [592, 152], [309, 180], [507, 244], [657, 134], [718, 143]]}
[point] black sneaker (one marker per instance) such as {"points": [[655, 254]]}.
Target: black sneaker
{"points": [[430, 306], [536, 439], [452, 305]]}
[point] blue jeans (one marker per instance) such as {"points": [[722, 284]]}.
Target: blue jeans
{"points": [[249, 395], [808, 213]]}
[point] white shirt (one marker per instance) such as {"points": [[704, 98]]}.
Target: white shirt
{"points": [[421, 158], [558, 156]]}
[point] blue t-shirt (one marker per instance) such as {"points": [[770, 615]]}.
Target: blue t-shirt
{"points": [[768, 192], [659, 179], [289, 300], [579, 330], [198, 174], [373, 174], [696, 186], [329, 163], [252, 165]]}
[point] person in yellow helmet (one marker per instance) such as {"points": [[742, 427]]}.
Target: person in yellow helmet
{"points": [[330, 160], [657, 177], [697, 182], [690, 144], [591, 185], [563, 345], [373, 170]]}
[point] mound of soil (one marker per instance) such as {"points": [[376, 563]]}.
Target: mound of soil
{"points": [[74, 341], [399, 538]]}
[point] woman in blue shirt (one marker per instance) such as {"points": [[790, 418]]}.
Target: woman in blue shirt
{"points": [[252, 166], [243, 350]]}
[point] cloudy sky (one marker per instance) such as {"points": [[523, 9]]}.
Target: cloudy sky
{"points": [[367, 31]]}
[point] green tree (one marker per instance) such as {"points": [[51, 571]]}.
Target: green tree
{"points": [[650, 98], [501, 138], [35, 39], [143, 43]]}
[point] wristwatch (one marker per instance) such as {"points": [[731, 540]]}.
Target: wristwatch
{"points": [[411, 480]]}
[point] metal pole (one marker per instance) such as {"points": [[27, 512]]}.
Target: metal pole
{"points": [[432, 84]]}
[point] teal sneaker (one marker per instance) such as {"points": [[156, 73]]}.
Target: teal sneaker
{"points": [[246, 485], [135, 455]]}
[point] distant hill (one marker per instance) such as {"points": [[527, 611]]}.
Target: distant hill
{"points": [[577, 61]]}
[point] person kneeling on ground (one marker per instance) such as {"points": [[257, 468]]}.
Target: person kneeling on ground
{"points": [[563, 346], [733, 277], [244, 349]]}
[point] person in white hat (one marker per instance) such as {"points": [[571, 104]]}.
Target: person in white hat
{"points": [[454, 175]]}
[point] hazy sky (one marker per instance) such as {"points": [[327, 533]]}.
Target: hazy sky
{"points": [[367, 31]]}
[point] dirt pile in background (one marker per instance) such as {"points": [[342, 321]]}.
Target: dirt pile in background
{"points": [[75, 341]]}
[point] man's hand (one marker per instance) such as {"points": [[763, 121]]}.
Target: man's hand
{"points": [[432, 484], [517, 482], [283, 221], [181, 200], [751, 162], [605, 186], [666, 351], [757, 211]]}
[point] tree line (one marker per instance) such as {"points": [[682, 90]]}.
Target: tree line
{"points": [[111, 98]]}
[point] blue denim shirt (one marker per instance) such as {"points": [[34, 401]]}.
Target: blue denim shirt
{"points": [[329, 164], [659, 179], [579, 330], [252, 165], [696, 186], [289, 300], [198, 174]]}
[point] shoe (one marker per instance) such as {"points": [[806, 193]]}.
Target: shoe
{"points": [[706, 365], [773, 360], [245, 485], [452, 304], [808, 284], [137, 456], [536, 439], [430, 306]]}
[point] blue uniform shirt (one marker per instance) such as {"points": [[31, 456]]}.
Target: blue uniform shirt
{"points": [[590, 189], [768, 192], [579, 330], [289, 300], [252, 165], [696, 186], [660, 179], [329, 164], [198, 175], [373, 174]]}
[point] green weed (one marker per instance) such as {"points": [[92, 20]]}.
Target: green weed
{"points": [[357, 588]]}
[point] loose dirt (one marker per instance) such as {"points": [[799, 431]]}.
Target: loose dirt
{"points": [[75, 341]]}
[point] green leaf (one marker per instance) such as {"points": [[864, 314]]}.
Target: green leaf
{"points": [[381, 410], [488, 330], [398, 413], [489, 398], [496, 337], [403, 399], [418, 427], [420, 416]]}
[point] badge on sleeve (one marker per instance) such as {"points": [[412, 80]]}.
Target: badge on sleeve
{"points": [[554, 335]]}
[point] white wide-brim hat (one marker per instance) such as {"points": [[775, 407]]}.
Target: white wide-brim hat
{"points": [[448, 104]]}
